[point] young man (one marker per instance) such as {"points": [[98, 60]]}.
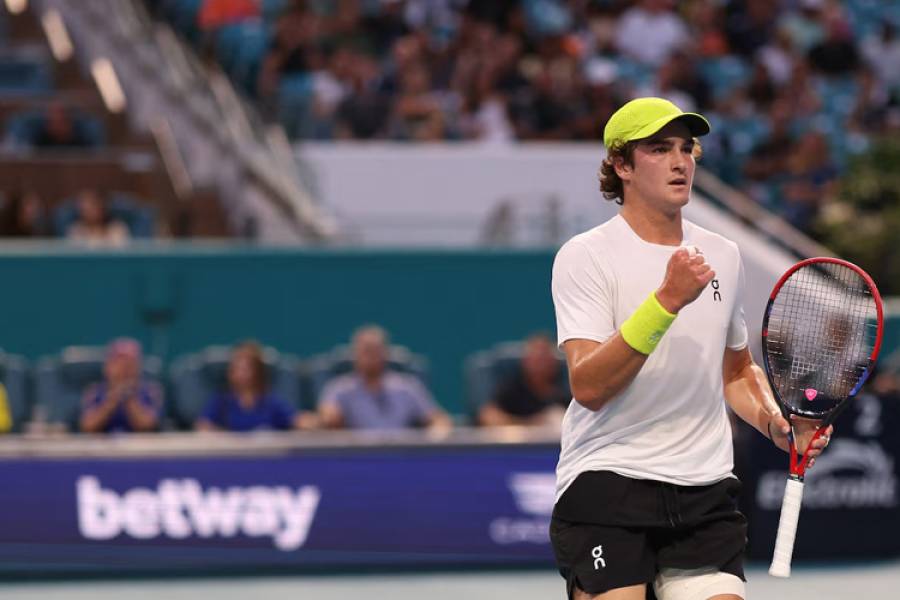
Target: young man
{"points": [[649, 315]]}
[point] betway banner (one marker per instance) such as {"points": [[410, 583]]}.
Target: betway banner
{"points": [[851, 497], [426, 505]]}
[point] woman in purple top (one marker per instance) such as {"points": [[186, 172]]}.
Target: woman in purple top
{"points": [[247, 404]]}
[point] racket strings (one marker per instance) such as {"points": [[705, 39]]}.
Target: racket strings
{"points": [[821, 331]]}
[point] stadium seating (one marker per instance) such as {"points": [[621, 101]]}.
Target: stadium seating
{"points": [[485, 370], [139, 217], [23, 128], [339, 361], [194, 378], [61, 380], [24, 75]]}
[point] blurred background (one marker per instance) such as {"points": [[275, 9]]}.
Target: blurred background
{"points": [[226, 222]]}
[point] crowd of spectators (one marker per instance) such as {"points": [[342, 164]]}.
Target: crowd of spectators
{"points": [[91, 217], [794, 88], [373, 395]]}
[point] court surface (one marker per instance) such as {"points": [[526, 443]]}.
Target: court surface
{"points": [[855, 582]]}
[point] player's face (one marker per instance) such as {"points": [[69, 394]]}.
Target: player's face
{"points": [[663, 169]]}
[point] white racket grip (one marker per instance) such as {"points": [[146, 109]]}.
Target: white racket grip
{"points": [[787, 529]]}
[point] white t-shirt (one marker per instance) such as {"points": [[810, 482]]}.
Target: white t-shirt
{"points": [[670, 424]]}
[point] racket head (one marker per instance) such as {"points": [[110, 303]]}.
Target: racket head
{"points": [[821, 336]]}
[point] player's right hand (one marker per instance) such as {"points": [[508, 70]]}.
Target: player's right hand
{"points": [[686, 275]]}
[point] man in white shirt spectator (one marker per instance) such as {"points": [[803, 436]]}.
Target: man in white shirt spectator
{"points": [[650, 32]]}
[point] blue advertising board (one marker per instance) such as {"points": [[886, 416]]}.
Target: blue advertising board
{"points": [[851, 498], [414, 506]]}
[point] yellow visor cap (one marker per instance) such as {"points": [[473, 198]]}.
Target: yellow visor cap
{"points": [[643, 117]]}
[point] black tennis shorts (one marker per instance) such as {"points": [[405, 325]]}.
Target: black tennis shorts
{"points": [[609, 531]]}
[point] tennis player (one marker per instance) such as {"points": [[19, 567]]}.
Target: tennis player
{"points": [[649, 314]]}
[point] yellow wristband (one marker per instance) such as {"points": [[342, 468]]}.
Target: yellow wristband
{"points": [[645, 327]]}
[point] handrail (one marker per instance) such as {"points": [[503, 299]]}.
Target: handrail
{"points": [[774, 227], [209, 101]]}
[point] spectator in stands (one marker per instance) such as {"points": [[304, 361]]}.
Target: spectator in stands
{"points": [[811, 178], [837, 53], [363, 112], [94, 224], [886, 383], [214, 14], [805, 26], [23, 215], [59, 129], [295, 47], [374, 397], [6, 421], [651, 20], [750, 25], [248, 404], [418, 113], [882, 53], [533, 395], [123, 402]]}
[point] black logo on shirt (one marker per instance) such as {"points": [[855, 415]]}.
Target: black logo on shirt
{"points": [[717, 296]]}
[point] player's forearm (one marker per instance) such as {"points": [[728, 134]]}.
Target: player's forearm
{"points": [[601, 375], [749, 396]]}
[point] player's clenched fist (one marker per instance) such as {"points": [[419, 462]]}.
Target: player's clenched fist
{"points": [[686, 275]]}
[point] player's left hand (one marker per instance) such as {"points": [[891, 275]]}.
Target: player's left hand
{"points": [[804, 430]]}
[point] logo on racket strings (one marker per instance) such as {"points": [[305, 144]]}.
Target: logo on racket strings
{"points": [[810, 394]]}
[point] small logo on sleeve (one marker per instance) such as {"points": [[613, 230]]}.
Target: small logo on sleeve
{"points": [[597, 553]]}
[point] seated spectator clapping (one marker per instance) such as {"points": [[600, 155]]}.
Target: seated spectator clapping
{"points": [[374, 397], [247, 404], [534, 395], [123, 402]]}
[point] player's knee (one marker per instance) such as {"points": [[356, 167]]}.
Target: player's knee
{"points": [[697, 584]]}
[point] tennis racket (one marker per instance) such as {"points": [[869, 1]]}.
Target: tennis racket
{"points": [[821, 336]]}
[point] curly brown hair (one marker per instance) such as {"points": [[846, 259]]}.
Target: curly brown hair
{"points": [[610, 183]]}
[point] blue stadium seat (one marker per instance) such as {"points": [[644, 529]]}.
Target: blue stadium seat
{"points": [[272, 9], [196, 377], [838, 95], [240, 49], [24, 75], [23, 128], [339, 361], [14, 375], [138, 216], [485, 370], [185, 18], [724, 74], [60, 381], [295, 96], [254, 46], [632, 72]]}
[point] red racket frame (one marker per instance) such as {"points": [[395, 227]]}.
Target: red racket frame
{"points": [[798, 468]]}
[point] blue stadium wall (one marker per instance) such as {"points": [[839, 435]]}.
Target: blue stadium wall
{"points": [[443, 304]]}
